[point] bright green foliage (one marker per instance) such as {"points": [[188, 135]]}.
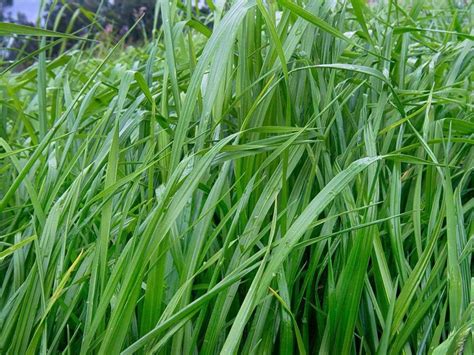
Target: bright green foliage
{"points": [[299, 179]]}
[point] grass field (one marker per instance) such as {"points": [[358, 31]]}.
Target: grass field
{"points": [[297, 179]]}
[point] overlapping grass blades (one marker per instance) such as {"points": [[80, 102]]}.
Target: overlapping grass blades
{"points": [[295, 178]]}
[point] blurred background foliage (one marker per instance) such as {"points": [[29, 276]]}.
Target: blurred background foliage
{"points": [[106, 20]]}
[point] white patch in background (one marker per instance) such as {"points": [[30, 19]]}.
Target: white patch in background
{"points": [[278, 16], [29, 8]]}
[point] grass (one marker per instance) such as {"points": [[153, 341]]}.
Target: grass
{"points": [[296, 180]]}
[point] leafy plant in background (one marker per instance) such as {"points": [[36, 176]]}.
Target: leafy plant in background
{"points": [[119, 15], [105, 20], [296, 179]]}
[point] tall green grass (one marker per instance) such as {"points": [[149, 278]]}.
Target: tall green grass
{"points": [[296, 180]]}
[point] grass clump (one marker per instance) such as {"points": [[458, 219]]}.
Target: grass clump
{"points": [[297, 179]]}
